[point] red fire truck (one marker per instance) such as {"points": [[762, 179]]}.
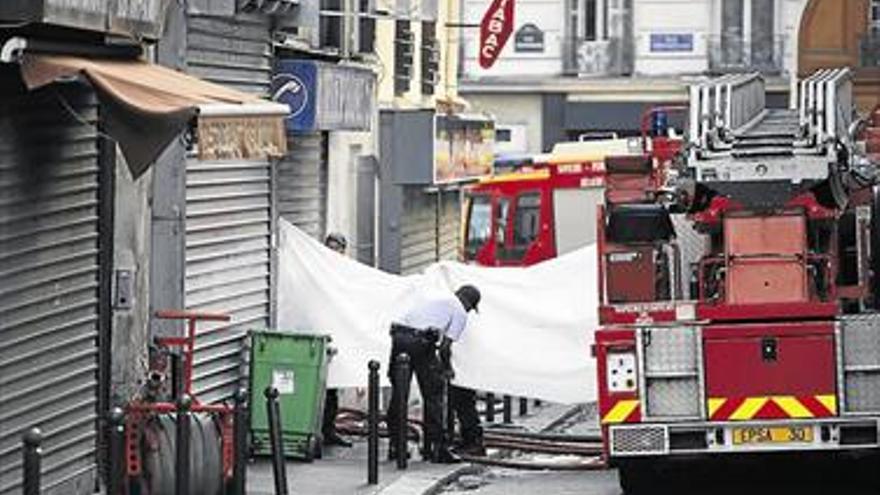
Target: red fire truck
{"points": [[546, 206], [738, 303]]}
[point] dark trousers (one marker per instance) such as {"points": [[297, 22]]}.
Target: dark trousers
{"points": [[331, 408], [424, 363], [463, 403]]}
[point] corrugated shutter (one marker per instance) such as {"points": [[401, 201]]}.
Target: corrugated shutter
{"points": [[48, 298], [450, 225], [301, 183], [228, 209], [235, 52], [418, 245]]}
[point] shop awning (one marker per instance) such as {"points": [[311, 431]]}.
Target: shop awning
{"points": [[146, 106]]}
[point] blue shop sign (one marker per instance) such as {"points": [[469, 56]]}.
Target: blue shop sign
{"points": [[324, 96], [295, 84], [672, 42]]}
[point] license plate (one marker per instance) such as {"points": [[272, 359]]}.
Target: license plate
{"points": [[776, 434]]}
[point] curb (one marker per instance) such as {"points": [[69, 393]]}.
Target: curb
{"points": [[428, 483], [432, 482]]}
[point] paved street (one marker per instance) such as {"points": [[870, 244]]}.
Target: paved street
{"points": [[772, 480], [506, 481]]}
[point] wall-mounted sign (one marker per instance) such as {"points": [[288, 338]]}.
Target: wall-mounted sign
{"points": [[672, 42], [495, 30], [464, 147], [241, 137], [528, 38], [324, 96]]}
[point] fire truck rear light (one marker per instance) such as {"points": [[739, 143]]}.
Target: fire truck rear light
{"points": [[621, 372], [825, 434], [719, 436]]}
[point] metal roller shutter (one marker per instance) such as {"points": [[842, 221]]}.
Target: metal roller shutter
{"points": [[418, 246], [49, 265], [235, 52], [228, 210], [228, 227], [301, 183], [450, 225]]}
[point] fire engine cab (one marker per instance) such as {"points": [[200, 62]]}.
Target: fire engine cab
{"points": [[546, 205], [738, 302]]}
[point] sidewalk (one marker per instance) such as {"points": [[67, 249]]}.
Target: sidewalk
{"points": [[344, 471]]}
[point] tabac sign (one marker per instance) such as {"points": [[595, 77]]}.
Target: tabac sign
{"points": [[495, 29]]}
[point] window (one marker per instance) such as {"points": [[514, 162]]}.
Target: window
{"points": [[479, 225], [590, 20], [366, 27], [403, 56], [527, 222], [330, 24], [874, 16], [430, 57], [503, 135]]}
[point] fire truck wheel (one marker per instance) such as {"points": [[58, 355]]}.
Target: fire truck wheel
{"points": [[638, 477]]}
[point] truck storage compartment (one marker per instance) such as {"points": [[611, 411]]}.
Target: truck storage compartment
{"points": [[770, 371]]}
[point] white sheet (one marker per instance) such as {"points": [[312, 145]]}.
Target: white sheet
{"points": [[531, 338]]}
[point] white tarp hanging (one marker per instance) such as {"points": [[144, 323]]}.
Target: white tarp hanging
{"points": [[531, 338]]}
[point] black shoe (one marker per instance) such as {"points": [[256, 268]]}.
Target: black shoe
{"points": [[472, 450], [392, 455], [334, 440], [442, 455]]}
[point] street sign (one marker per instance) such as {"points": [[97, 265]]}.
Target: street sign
{"points": [[495, 29]]}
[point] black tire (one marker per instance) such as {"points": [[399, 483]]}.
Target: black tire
{"points": [[311, 450], [638, 477], [319, 447]]}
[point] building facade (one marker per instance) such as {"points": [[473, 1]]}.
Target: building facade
{"points": [[576, 67], [419, 211]]}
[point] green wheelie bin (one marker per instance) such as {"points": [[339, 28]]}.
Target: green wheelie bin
{"points": [[296, 365]]}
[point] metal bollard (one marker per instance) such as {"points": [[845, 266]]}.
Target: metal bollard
{"points": [[373, 424], [279, 470], [182, 446], [240, 446], [33, 455], [490, 407], [507, 412], [116, 476], [402, 378], [523, 406]]}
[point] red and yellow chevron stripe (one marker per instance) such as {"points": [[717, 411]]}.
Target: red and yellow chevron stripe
{"points": [[771, 407], [623, 411]]}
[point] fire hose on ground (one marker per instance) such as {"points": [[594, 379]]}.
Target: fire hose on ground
{"points": [[588, 448]]}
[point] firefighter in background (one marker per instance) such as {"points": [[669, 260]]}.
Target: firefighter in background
{"points": [[433, 323], [338, 243]]}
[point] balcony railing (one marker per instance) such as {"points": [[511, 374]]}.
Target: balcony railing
{"points": [[597, 58], [735, 54]]}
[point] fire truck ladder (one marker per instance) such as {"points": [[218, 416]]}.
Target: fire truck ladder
{"points": [[735, 138]]}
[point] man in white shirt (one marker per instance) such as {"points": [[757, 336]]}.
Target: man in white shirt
{"points": [[435, 322]]}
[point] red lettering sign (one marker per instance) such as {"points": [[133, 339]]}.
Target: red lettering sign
{"points": [[495, 29]]}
